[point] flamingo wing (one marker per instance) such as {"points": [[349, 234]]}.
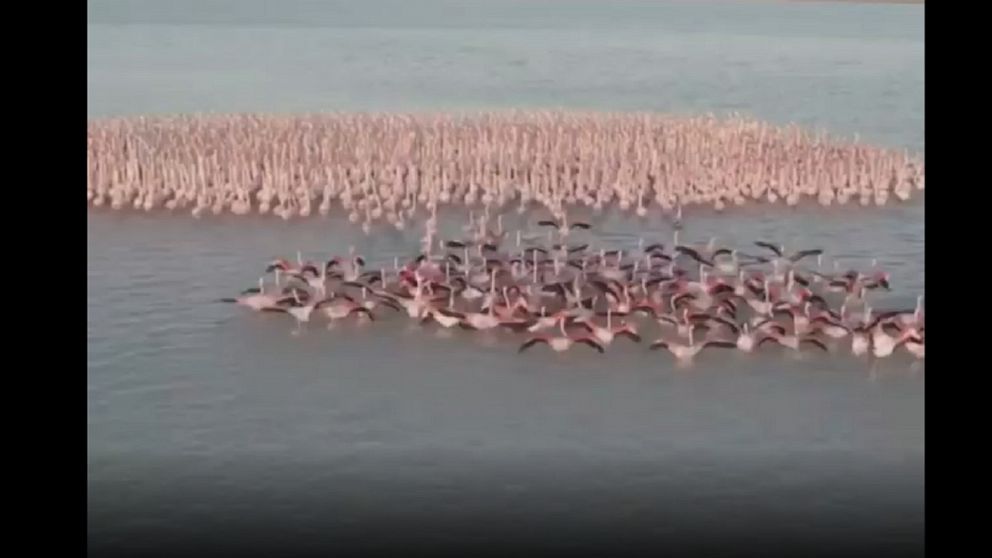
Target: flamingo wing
{"points": [[720, 344], [765, 340], [694, 255], [723, 251], [815, 342], [804, 254], [630, 334], [530, 343], [770, 246], [724, 321], [591, 343]]}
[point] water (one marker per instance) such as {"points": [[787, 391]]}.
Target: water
{"points": [[856, 68], [200, 415]]}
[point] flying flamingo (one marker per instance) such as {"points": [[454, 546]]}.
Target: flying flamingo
{"points": [[686, 353], [561, 343]]}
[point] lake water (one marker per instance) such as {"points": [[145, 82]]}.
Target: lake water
{"points": [[200, 415]]}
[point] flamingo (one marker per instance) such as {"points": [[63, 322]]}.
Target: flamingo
{"points": [[257, 299], [339, 306], [793, 341], [606, 334], [686, 353], [561, 343], [299, 310], [562, 226]]}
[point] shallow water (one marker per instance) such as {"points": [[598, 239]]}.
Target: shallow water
{"points": [[199, 413]]}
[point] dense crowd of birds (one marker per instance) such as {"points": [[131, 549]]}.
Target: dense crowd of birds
{"points": [[557, 290], [383, 168]]}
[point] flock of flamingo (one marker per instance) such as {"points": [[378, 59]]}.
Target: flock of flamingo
{"points": [[387, 168], [561, 292], [382, 168]]}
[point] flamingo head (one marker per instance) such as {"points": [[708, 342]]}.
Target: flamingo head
{"points": [[279, 263]]}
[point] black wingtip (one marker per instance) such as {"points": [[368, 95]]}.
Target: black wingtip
{"points": [[815, 342]]}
